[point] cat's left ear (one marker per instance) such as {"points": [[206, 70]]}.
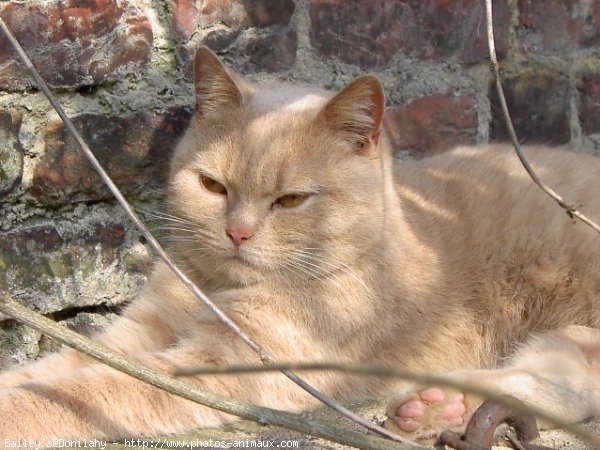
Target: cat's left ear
{"points": [[356, 112], [216, 89]]}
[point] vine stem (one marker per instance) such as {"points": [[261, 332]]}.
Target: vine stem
{"points": [[231, 324], [570, 209]]}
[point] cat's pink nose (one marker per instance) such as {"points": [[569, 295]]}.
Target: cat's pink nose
{"points": [[239, 235]]}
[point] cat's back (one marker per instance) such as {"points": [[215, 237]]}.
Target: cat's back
{"points": [[497, 232], [487, 189]]}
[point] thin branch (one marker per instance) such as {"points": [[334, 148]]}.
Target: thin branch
{"points": [[230, 323], [132, 367], [388, 372], [571, 210]]}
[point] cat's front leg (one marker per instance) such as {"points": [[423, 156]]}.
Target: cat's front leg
{"points": [[96, 401], [425, 411], [556, 371], [99, 402], [148, 325], [126, 335]]}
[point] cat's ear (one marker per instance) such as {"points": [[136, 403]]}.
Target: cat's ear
{"points": [[356, 112], [216, 90]]}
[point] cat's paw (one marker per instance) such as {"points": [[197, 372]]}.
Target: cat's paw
{"points": [[424, 413]]}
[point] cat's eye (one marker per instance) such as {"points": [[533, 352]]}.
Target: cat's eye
{"points": [[291, 200], [213, 185]]}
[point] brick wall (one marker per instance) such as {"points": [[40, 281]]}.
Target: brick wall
{"points": [[122, 71]]}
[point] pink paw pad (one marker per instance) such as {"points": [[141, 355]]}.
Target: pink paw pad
{"points": [[431, 403], [454, 410], [432, 395], [410, 409]]}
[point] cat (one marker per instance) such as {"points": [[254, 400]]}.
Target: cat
{"points": [[287, 208]]}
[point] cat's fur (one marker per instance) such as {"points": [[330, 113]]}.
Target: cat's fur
{"points": [[445, 264]]}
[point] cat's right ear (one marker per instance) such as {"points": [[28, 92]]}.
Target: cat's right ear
{"points": [[216, 90], [356, 112]]}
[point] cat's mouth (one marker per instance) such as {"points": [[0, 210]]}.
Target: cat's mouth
{"points": [[241, 259]]}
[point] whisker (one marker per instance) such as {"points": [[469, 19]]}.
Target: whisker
{"points": [[333, 263], [297, 266], [172, 228], [178, 239], [194, 250], [160, 215]]}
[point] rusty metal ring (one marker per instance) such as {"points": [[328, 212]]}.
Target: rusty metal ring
{"points": [[479, 434]]}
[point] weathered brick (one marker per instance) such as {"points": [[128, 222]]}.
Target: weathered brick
{"points": [[432, 124], [188, 15], [371, 33], [589, 104], [59, 265], [257, 32], [258, 48], [18, 343], [85, 323], [11, 152], [559, 26], [135, 150], [49, 238], [74, 42], [539, 106]]}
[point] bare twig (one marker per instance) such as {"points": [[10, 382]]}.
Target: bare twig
{"points": [[264, 356], [134, 368], [571, 210], [388, 372]]}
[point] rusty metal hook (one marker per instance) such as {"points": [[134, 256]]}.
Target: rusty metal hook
{"points": [[479, 434]]}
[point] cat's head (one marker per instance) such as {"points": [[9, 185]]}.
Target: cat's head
{"points": [[276, 181]]}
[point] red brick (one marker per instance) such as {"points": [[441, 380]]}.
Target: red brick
{"points": [[22, 242], [264, 13], [371, 33], [111, 235], [75, 42], [559, 26], [135, 150], [38, 238], [433, 124], [589, 104], [188, 15], [539, 106], [11, 152], [257, 48], [258, 35]]}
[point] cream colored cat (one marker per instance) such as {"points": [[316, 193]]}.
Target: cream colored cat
{"points": [[286, 208]]}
